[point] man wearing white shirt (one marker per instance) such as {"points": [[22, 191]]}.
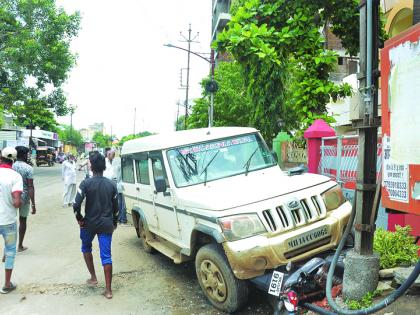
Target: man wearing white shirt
{"points": [[69, 178], [11, 187], [113, 172]]}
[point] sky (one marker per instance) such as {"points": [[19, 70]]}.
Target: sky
{"points": [[122, 63]]}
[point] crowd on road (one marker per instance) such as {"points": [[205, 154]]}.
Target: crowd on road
{"points": [[101, 190]]}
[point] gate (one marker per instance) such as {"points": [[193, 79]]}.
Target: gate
{"points": [[339, 158]]}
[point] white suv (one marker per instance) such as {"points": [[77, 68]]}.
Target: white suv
{"points": [[218, 196]]}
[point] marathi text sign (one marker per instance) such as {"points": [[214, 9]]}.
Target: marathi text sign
{"points": [[395, 176]]}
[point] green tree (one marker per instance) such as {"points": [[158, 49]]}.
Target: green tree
{"points": [[285, 63], [102, 140], [71, 135], [132, 136], [232, 105], [35, 40]]}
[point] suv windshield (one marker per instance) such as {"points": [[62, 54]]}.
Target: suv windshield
{"points": [[207, 161]]}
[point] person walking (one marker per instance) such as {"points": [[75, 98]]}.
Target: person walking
{"points": [[113, 172], [100, 218], [11, 187], [69, 178], [28, 195]]}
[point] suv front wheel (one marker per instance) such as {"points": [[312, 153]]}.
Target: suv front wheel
{"points": [[216, 279]]}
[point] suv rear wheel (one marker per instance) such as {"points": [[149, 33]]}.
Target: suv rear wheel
{"points": [[216, 279], [142, 233]]}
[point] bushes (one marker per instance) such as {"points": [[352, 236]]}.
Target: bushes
{"points": [[395, 248]]}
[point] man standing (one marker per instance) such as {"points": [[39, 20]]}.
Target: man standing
{"points": [[101, 215], [11, 187], [28, 194], [69, 178], [113, 172]]}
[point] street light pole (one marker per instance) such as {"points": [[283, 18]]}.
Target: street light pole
{"points": [[211, 109], [188, 78], [211, 88]]}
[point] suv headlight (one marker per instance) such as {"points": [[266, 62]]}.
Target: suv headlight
{"points": [[241, 226], [333, 198]]}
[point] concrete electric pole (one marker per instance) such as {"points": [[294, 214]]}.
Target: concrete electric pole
{"points": [[188, 40]]}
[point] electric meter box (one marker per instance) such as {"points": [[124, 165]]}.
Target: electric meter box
{"points": [[400, 94]]}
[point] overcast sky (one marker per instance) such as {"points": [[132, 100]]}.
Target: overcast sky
{"points": [[122, 63]]}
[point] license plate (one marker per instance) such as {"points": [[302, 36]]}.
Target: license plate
{"points": [[276, 283], [308, 237]]}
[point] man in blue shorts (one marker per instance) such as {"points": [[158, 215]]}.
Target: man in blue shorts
{"points": [[100, 218]]}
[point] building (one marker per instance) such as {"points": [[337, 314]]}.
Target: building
{"points": [[398, 17], [220, 17], [87, 133]]}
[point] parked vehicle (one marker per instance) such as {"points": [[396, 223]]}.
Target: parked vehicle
{"points": [[218, 196], [44, 156]]}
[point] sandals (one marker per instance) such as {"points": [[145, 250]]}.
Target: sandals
{"points": [[6, 290]]}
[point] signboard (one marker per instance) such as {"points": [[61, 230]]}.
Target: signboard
{"points": [[400, 94], [43, 134], [394, 175], [20, 142]]}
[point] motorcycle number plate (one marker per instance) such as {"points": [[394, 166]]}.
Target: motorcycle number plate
{"points": [[276, 283]]}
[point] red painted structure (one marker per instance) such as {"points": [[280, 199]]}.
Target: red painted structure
{"points": [[314, 134], [410, 212]]}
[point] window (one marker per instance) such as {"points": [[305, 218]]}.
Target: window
{"points": [[127, 169], [158, 167], [216, 159], [143, 171]]}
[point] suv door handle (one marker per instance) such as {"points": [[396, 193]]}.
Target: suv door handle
{"points": [[138, 188]]}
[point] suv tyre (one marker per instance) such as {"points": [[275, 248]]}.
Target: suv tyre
{"points": [[143, 234], [216, 279]]}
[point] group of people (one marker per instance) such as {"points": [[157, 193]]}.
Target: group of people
{"points": [[112, 171], [104, 207]]}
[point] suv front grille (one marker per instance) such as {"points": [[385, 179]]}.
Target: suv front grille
{"points": [[282, 218]]}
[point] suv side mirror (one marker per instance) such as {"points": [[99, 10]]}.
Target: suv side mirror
{"points": [[160, 184]]}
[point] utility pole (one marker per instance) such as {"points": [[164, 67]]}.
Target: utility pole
{"points": [[188, 40], [362, 265], [72, 110]]}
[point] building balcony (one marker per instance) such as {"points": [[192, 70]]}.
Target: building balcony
{"points": [[222, 20]]}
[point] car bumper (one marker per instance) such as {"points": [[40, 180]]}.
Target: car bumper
{"points": [[250, 257]]}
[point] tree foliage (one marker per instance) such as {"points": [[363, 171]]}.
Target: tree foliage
{"points": [[134, 136], [285, 63], [35, 54], [232, 105], [102, 140], [70, 135]]}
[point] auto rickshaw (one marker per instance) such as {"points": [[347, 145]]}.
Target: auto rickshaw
{"points": [[44, 155]]}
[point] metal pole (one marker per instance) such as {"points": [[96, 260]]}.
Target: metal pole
{"points": [[367, 125], [188, 78], [71, 126], [211, 111]]}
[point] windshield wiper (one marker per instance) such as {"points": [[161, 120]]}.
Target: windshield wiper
{"points": [[248, 162], [208, 164]]}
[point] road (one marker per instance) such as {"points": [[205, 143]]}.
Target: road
{"points": [[51, 274]]}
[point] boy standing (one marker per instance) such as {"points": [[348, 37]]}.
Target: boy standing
{"points": [[101, 216], [11, 187], [28, 196]]}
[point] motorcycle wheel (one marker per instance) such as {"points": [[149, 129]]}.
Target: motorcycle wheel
{"points": [[216, 279]]}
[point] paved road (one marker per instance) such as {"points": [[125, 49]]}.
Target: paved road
{"points": [[51, 273]]}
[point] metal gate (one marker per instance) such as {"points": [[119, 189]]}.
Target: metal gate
{"points": [[339, 158]]}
